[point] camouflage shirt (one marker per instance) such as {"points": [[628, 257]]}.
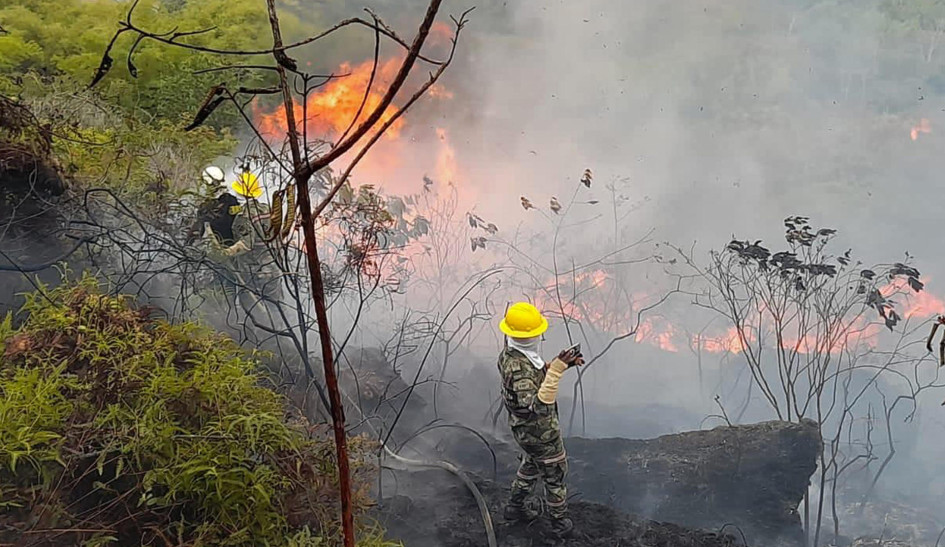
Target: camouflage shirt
{"points": [[534, 424]]}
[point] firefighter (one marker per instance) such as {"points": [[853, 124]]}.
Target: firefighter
{"points": [[234, 235], [529, 389], [215, 209]]}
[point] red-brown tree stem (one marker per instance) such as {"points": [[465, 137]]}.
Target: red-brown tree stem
{"points": [[398, 82], [318, 288], [302, 170]]}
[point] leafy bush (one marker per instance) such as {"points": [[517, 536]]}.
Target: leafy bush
{"points": [[117, 427], [66, 39], [127, 134]]}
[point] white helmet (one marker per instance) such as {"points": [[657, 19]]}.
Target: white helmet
{"points": [[214, 175]]}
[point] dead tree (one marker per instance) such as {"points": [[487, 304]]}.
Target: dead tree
{"points": [[808, 325]]}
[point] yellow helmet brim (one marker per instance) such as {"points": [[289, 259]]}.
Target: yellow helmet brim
{"points": [[247, 186], [509, 331]]}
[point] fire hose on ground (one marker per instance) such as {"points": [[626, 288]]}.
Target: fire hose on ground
{"points": [[447, 466], [480, 500]]}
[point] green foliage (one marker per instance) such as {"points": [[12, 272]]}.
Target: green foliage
{"points": [[113, 421], [371, 537], [67, 38], [32, 408], [146, 163], [127, 133]]}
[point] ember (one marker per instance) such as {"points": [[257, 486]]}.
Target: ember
{"points": [[924, 126]]}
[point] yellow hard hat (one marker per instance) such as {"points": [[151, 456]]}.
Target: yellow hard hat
{"points": [[522, 320], [247, 185]]}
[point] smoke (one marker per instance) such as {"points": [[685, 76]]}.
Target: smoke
{"points": [[721, 118], [716, 118], [729, 116]]}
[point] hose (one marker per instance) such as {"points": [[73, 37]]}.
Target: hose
{"points": [[447, 466], [480, 500]]}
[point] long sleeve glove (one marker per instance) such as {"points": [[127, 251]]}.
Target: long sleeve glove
{"points": [[548, 391], [237, 248], [208, 235]]}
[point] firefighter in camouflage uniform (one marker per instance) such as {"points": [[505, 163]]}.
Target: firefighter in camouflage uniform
{"points": [[529, 388]]}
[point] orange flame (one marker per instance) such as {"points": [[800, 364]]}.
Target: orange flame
{"points": [[396, 163], [328, 112], [911, 303], [446, 157], [661, 335], [440, 33], [864, 330], [924, 126], [730, 342]]}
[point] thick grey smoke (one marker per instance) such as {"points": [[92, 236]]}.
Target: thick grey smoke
{"points": [[728, 115], [722, 118], [717, 118]]}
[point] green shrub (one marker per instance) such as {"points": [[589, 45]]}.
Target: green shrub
{"points": [[116, 427], [67, 38]]}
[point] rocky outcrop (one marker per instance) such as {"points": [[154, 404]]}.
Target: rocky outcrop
{"points": [[752, 477], [438, 511]]}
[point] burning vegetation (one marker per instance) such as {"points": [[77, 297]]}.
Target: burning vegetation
{"points": [[267, 350], [331, 111]]}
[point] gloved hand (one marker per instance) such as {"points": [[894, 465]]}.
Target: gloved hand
{"points": [[548, 391], [571, 358], [212, 245], [237, 248]]}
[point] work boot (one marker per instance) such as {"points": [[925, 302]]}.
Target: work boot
{"points": [[562, 527], [521, 513]]}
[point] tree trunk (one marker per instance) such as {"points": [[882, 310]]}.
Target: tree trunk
{"points": [[318, 288], [807, 516], [331, 379], [302, 171]]}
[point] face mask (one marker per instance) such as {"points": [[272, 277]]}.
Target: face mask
{"points": [[529, 347]]}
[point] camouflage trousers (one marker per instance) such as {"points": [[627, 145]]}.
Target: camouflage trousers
{"points": [[550, 464]]}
